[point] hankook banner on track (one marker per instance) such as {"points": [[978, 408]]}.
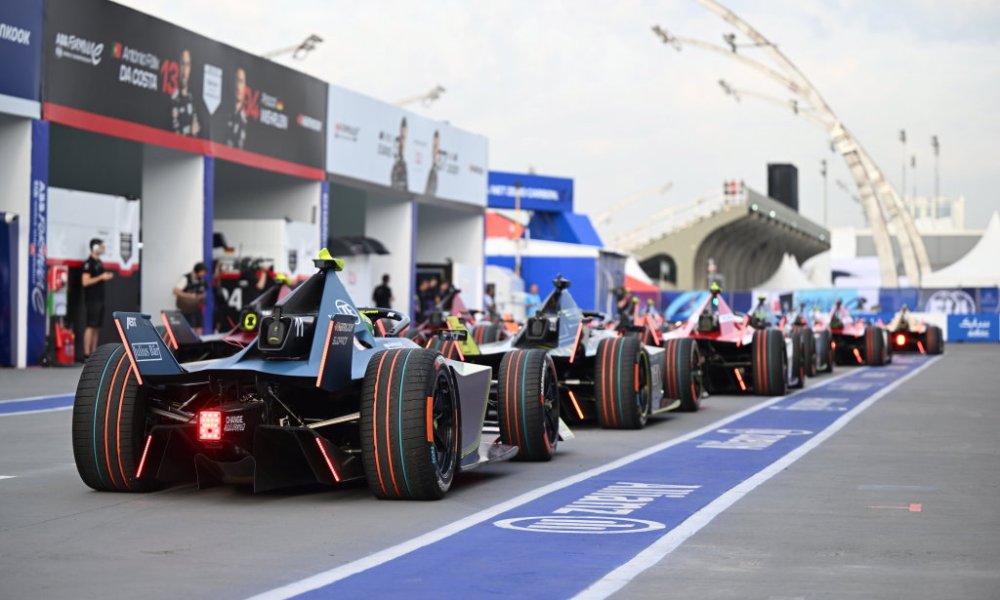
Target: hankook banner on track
{"points": [[380, 143], [158, 83]]}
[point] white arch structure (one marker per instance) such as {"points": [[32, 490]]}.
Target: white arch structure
{"points": [[874, 189]]}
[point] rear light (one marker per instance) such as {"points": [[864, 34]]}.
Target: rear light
{"points": [[900, 339], [210, 425]]}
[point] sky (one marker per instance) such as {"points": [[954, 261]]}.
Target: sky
{"points": [[583, 89]]}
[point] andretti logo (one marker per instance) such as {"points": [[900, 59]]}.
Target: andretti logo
{"points": [[79, 49]]}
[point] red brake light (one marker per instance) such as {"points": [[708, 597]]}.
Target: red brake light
{"points": [[900, 339], [210, 425]]}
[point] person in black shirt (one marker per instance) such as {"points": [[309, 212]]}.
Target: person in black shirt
{"points": [[190, 292], [94, 277], [382, 296], [236, 125], [183, 114]]}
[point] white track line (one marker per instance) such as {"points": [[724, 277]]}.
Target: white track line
{"points": [[7, 476], [35, 412], [403, 548], [30, 398], [617, 579]]}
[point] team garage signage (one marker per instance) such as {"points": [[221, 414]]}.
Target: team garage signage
{"points": [[379, 143], [121, 72]]}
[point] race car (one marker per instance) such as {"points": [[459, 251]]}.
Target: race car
{"points": [[908, 333], [818, 344], [731, 356], [451, 304], [316, 399], [560, 360], [855, 342]]}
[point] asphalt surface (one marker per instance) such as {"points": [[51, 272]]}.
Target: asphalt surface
{"points": [[809, 532]]}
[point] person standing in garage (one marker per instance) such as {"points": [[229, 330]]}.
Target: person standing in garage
{"points": [[382, 296], [93, 280], [190, 292]]}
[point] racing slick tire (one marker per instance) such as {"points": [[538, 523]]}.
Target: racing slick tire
{"points": [[875, 350], [621, 383], [415, 335], [682, 373], [487, 333], [799, 368], [528, 404], [447, 348], [935, 340], [768, 363], [110, 424], [809, 346], [409, 425], [824, 351]]}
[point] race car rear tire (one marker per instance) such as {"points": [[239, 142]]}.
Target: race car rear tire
{"points": [[799, 359], [487, 333], [809, 346], [528, 404], [935, 340], [447, 348], [110, 424], [409, 425], [824, 351], [768, 363], [875, 351], [682, 373], [621, 383]]}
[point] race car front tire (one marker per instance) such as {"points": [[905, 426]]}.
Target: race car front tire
{"points": [[447, 348], [935, 340], [768, 363], [621, 383], [682, 373], [875, 351], [528, 404], [824, 351], [110, 424], [409, 425]]}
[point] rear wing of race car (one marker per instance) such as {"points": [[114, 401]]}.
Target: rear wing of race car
{"points": [[146, 350], [178, 332]]}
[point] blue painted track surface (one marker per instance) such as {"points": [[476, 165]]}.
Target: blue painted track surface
{"points": [[559, 544]]}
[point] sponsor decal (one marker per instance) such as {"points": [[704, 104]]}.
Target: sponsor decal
{"points": [[146, 351], [511, 191], [131, 323], [211, 90], [78, 49], [345, 308], [751, 439], [974, 327], [15, 35], [308, 122], [952, 302], [347, 132], [816, 404], [611, 503], [234, 423]]}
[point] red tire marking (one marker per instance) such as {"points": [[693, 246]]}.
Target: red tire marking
{"points": [[517, 399], [118, 428], [388, 406], [506, 392], [107, 411], [378, 466]]}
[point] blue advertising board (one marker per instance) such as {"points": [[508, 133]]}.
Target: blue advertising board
{"points": [[20, 57], [537, 192], [984, 328], [37, 241]]}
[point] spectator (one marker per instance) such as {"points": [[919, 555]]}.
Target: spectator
{"points": [[190, 293], [490, 303], [382, 296], [94, 277], [532, 301]]}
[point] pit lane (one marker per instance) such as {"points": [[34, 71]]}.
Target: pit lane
{"points": [[808, 532]]}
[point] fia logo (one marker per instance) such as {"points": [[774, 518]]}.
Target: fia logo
{"points": [[130, 323]]}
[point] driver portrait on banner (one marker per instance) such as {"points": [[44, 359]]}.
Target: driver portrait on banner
{"points": [[183, 113], [236, 125], [432, 177], [399, 179]]}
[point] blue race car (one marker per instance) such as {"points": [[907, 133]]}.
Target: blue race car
{"points": [[316, 399]]}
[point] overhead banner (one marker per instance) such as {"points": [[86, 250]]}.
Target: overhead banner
{"points": [[379, 143], [20, 57], [117, 71], [535, 192]]}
